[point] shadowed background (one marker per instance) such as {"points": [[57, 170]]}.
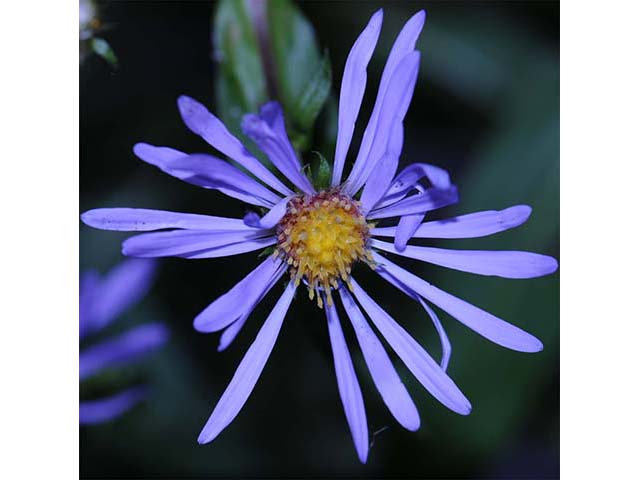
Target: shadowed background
{"points": [[486, 108]]}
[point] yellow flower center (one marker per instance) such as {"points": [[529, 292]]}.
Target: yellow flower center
{"points": [[320, 237]]}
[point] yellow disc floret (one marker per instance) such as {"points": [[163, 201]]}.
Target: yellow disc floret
{"points": [[320, 237]]}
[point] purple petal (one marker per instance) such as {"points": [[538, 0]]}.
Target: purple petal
{"points": [[207, 171], [417, 360], [98, 411], [142, 220], [384, 375], [444, 339], [431, 199], [122, 349], [483, 323], [394, 107], [184, 243], [272, 217], [506, 264], [407, 227], [232, 249], [268, 132], [374, 143], [89, 290], [247, 373], [348, 386], [241, 299], [124, 285], [354, 81], [231, 332], [442, 334], [201, 122], [473, 225], [379, 181]]}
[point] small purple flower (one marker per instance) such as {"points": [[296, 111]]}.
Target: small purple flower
{"points": [[318, 235], [101, 301]]}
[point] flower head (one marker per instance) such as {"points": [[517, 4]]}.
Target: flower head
{"points": [[102, 300], [317, 237]]}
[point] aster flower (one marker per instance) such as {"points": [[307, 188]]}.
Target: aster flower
{"points": [[317, 236], [102, 300]]}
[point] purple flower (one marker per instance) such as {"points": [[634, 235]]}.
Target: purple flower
{"points": [[318, 235], [101, 301]]}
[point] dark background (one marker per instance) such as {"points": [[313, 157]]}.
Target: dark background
{"points": [[486, 108]]}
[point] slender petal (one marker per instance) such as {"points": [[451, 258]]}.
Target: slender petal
{"points": [[473, 225], [431, 199], [379, 181], [394, 107], [268, 132], [207, 171], [249, 370], [232, 249], [506, 264], [348, 385], [384, 375], [354, 81], [242, 297], [98, 411], [417, 360], [144, 220], [202, 122], [271, 219], [123, 286], [370, 149], [231, 332], [444, 339], [184, 242], [407, 226], [122, 349], [89, 290], [481, 322]]}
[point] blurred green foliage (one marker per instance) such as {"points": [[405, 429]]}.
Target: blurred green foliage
{"points": [[267, 50]]}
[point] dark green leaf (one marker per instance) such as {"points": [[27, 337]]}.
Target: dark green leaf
{"points": [[320, 172]]}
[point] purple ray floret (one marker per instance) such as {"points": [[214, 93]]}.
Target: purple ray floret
{"points": [[102, 300], [317, 236]]}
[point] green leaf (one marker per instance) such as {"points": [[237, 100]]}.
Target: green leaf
{"points": [[320, 172], [241, 85], [302, 73], [102, 48]]}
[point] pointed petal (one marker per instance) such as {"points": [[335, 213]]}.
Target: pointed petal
{"points": [[241, 299], [348, 385], [94, 412], [122, 349], [248, 372], [417, 360], [374, 144], [384, 375], [143, 220], [481, 322], [183, 243], [268, 132], [202, 122], [354, 82], [473, 225], [506, 264], [207, 171]]}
